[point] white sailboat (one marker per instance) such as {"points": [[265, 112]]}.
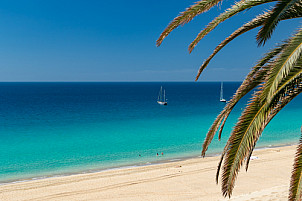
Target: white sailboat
{"points": [[221, 93], [162, 97]]}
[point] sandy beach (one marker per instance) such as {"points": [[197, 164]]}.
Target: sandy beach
{"points": [[193, 179]]}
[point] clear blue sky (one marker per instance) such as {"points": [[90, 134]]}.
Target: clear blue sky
{"points": [[78, 40]]}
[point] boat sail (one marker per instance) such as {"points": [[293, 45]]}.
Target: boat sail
{"points": [[221, 93], [162, 97]]}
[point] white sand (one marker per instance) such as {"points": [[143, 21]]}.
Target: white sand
{"points": [[194, 179]]}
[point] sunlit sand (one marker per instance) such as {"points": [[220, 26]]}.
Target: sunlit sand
{"points": [[268, 178]]}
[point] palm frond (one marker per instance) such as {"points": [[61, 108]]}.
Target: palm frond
{"points": [[295, 192], [277, 77], [242, 90], [286, 84], [256, 22], [241, 141], [247, 86], [286, 97], [253, 79], [235, 9], [255, 118], [211, 133], [271, 22], [221, 160], [186, 16], [249, 157], [248, 130], [283, 65], [283, 90]]}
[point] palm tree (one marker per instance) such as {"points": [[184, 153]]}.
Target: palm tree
{"points": [[276, 79]]}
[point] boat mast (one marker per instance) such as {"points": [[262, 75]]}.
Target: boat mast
{"points": [[221, 91], [164, 95], [160, 93]]}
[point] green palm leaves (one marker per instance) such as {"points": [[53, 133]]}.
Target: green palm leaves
{"points": [[276, 80], [296, 181], [271, 22], [185, 17], [279, 87]]}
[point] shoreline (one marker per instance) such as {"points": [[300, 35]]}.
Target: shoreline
{"points": [[134, 165], [194, 179]]}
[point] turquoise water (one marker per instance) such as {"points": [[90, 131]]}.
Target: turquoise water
{"points": [[64, 128]]}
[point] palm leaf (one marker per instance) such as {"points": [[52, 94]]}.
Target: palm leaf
{"points": [[246, 87], [186, 16], [296, 179], [221, 159], [256, 22], [278, 77], [253, 79], [242, 143], [235, 9], [279, 10], [284, 90], [283, 66], [285, 85], [287, 96], [258, 114]]}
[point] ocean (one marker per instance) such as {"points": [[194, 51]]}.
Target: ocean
{"points": [[52, 129]]}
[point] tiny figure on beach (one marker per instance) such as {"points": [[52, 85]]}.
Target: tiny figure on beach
{"points": [[139, 155], [156, 154], [162, 153]]}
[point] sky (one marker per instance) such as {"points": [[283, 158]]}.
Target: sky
{"points": [[76, 40]]}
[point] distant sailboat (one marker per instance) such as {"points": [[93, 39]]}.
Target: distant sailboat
{"points": [[162, 97], [221, 93]]}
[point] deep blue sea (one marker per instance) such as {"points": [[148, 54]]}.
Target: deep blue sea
{"points": [[50, 129]]}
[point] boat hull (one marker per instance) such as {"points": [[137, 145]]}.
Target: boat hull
{"points": [[162, 103]]}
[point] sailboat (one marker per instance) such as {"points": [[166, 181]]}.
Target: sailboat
{"points": [[221, 93], [162, 97]]}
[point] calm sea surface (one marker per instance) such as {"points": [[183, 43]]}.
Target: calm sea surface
{"points": [[63, 128]]}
